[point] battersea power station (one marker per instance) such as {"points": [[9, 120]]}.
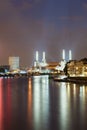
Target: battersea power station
{"points": [[52, 67]]}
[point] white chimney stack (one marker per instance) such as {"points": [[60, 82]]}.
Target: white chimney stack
{"points": [[37, 56], [70, 55], [63, 54]]}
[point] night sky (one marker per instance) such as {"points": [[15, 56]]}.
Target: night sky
{"points": [[43, 25]]}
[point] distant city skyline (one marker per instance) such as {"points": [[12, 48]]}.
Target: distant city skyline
{"points": [[43, 25]]}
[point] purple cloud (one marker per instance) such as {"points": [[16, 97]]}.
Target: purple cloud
{"points": [[73, 18], [84, 6]]}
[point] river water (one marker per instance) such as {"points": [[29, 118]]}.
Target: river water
{"points": [[39, 103]]}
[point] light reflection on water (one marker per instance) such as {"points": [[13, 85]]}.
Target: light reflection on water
{"points": [[1, 105], [40, 101], [41, 104]]}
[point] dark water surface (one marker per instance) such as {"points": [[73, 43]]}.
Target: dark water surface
{"points": [[42, 104]]}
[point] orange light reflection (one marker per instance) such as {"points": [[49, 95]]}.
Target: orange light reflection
{"points": [[29, 100]]}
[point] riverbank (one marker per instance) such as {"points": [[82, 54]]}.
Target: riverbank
{"points": [[78, 80]]}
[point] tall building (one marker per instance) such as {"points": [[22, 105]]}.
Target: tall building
{"points": [[14, 63]]}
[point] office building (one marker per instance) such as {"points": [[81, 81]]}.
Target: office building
{"points": [[14, 63]]}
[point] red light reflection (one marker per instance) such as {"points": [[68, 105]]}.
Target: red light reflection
{"points": [[1, 105], [8, 106]]}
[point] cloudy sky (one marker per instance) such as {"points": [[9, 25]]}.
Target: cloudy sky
{"points": [[43, 25]]}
